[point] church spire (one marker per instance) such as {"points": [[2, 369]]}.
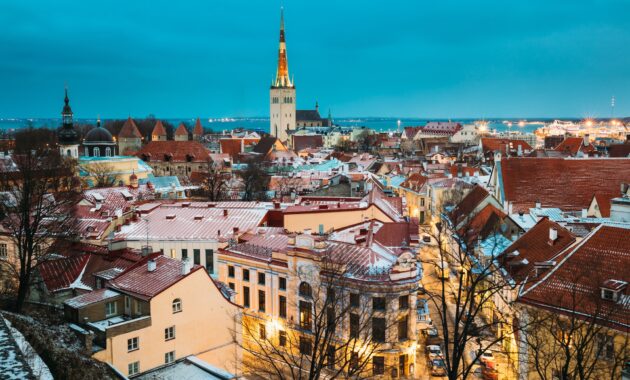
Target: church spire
{"points": [[282, 73], [66, 112]]}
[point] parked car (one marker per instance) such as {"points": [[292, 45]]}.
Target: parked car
{"points": [[437, 366], [433, 351]]}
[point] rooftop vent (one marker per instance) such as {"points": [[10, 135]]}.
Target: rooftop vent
{"points": [[553, 235], [151, 265], [186, 204], [225, 212], [170, 216], [198, 217]]}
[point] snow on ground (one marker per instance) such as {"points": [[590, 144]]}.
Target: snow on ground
{"points": [[38, 367], [12, 363]]}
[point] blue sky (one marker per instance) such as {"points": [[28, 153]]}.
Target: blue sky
{"points": [[416, 58]]}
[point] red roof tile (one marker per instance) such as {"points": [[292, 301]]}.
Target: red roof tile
{"points": [[177, 151], [568, 184], [572, 145], [129, 130], [231, 146], [482, 223], [500, 145], [159, 129], [533, 247], [181, 130], [60, 273], [307, 141], [574, 283], [414, 182], [468, 204], [619, 150], [603, 202], [198, 130]]}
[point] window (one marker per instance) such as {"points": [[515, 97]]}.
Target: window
{"points": [[3, 251], [173, 254], [169, 333], [355, 300], [262, 330], [138, 307], [605, 346], [402, 329], [169, 357], [403, 302], [246, 296], [378, 365], [261, 279], [261, 300], [305, 315], [133, 368], [378, 303], [210, 260], [282, 338], [132, 344], [231, 285], [283, 283], [330, 318], [184, 254], [283, 306], [402, 365], [97, 152], [197, 256], [305, 290], [127, 303], [110, 309], [306, 346], [245, 274], [108, 151], [230, 271], [354, 325], [177, 305], [378, 329]]}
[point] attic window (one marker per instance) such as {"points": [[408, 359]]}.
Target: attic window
{"points": [[611, 289], [98, 197]]}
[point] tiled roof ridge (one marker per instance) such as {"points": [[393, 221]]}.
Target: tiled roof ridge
{"points": [[158, 129], [181, 130], [129, 130]]}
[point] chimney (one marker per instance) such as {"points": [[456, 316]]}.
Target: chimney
{"points": [[235, 229], [538, 205], [151, 264], [145, 250], [225, 212], [553, 235], [587, 139], [307, 231], [185, 266]]}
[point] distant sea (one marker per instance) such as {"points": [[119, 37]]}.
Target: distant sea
{"points": [[261, 123]]}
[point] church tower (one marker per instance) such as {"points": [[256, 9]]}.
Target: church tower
{"points": [[282, 94], [67, 136]]}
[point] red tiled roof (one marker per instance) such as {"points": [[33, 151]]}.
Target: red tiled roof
{"points": [[574, 283], [139, 282], [307, 141], [91, 297], [572, 145], [496, 144], [414, 182], [533, 247], [603, 202], [397, 234], [442, 127], [231, 146], [410, 132], [129, 130], [468, 204], [181, 130], [177, 151], [198, 130], [464, 170], [482, 223], [619, 150], [60, 273], [568, 184], [159, 129]]}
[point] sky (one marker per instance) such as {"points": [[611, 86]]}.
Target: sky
{"points": [[405, 58]]}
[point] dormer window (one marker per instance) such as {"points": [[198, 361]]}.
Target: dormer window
{"points": [[612, 289]]}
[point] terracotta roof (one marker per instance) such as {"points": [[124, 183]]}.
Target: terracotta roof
{"points": [[91, 297], [483, 223], [410, 132], [159, 129], [307, 141], [468, 204], [500, 145], [533, 247], [574, 283], [198, 130], [603, 202], [573, 145], [129, 130], [181, 130], [567, 184], [459, 170], [60, 273], [414, 182], [619, 150], [442, 127], [141, 283], [177, 151], [231, 146]]}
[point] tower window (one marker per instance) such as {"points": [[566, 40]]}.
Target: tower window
{"points": [[97, 152]]}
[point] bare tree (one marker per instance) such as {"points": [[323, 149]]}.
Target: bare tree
{"points": [[285, 185], [36, 209], [214, 185], [463, 295], [334, 337], [99, 175], [255, 182], [572, 344]]}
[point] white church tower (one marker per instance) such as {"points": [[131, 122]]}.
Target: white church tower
{"points": [[282, 94]]}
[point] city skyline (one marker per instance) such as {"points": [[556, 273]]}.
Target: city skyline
{"points": [[416, 60]]}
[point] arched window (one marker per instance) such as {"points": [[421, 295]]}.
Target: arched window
{"points": [[177, 305], [108, 151], [305, 289], [68, 153], [97, 152]]}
